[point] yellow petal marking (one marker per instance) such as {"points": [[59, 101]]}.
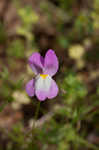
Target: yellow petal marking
{"points": [[44, 76]]}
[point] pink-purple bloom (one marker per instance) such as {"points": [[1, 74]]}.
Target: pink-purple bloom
{"points": [[43, 86]]}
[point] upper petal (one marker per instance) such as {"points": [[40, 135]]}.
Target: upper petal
{"points": [[53, 90], [50, 63], [36, 62], [30, 88]]}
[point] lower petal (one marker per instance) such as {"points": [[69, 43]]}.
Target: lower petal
{"points": [[30, 88], [41, 95], [53, 90]]}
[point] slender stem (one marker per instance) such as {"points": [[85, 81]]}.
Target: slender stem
{"points": [[37, 110], [35, 117]]}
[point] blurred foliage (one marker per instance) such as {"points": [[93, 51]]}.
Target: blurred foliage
{"points": [[95, 15], [16, 49], [3, 34], [75, 89], [28, 18], [67, 5]]}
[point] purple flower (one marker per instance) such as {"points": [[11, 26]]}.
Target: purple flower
{"points": [[43, 86]]}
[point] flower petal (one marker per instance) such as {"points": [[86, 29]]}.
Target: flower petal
{"points": [[53, 90], [50, 63], [41, 95], [30, 88], [36, 62], [42, 86]]}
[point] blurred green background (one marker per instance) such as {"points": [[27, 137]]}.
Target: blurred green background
{"points": [[71, 29]]}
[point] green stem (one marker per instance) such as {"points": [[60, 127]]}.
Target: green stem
{"points": [[35, 118], [37, 110]]}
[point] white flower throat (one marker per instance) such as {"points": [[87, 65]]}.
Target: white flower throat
{"points": [[43, 82]]}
